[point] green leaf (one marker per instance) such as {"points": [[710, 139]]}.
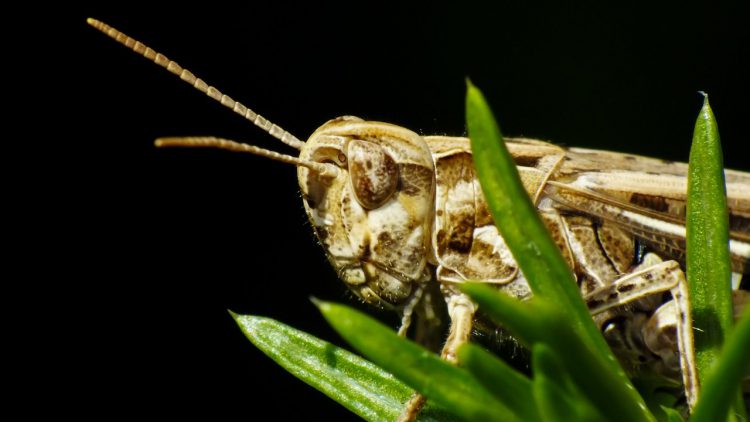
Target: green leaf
{"points": [[537, 254], [672, 415], [357, 384], [553, 403], [658, 392], [709, 267], [525, 320], [451, 387], [497, 377], [519, 223], [555, 393], [538, 321], [723, 381], [513, 212]]}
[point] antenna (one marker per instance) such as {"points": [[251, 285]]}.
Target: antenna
{"points": [[198, 83], [221, 143]]}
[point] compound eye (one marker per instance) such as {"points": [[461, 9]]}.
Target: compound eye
{"points": [[373, 173]]}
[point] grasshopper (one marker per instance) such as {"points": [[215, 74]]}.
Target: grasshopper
{"points": [[403, 221]]}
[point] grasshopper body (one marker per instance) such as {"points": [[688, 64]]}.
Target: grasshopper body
{"points": [[402, 216]]}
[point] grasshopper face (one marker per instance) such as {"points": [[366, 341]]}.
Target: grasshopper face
{"points": [[373, 216]]}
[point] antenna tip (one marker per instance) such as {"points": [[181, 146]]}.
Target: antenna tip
{"points": [[97, 24], [160, 142]]}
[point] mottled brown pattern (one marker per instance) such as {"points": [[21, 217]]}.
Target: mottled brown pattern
{"points": [[600, 204], [556, 229], [466, 242], [482, 216], [446, 145], [739, 223], [672, 248], [462, 235], [531, 179], [485, 259], [526, 160], [652, 202], [386, 245], [415, 179], [322, 233], [594, 303], [649, 187], [457, 210], [441, 241], [482, 252], [623, 288], [373, 173], [590, 258], [375, 236], [618, 245], [456, 168], [605, 208]]}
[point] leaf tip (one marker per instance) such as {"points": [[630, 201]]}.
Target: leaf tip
{"points": [[706, 109], [234, 315], [322, 305], [473, 94]]}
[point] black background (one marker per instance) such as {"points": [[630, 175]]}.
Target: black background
{"points": [[145, 250]]}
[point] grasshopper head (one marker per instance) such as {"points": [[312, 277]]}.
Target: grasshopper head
{"points": [[373, 215], [367, 188]]}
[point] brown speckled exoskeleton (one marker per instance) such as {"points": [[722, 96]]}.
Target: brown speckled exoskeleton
{"points": [[402, 217]]}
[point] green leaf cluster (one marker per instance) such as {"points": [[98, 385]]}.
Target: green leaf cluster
{"points": [[574, 374]]}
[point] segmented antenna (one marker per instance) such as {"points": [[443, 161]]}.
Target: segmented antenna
{"points": [[213, 142], [198, 83]]}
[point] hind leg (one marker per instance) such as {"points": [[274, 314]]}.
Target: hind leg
{"points": [[652, 280]]}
